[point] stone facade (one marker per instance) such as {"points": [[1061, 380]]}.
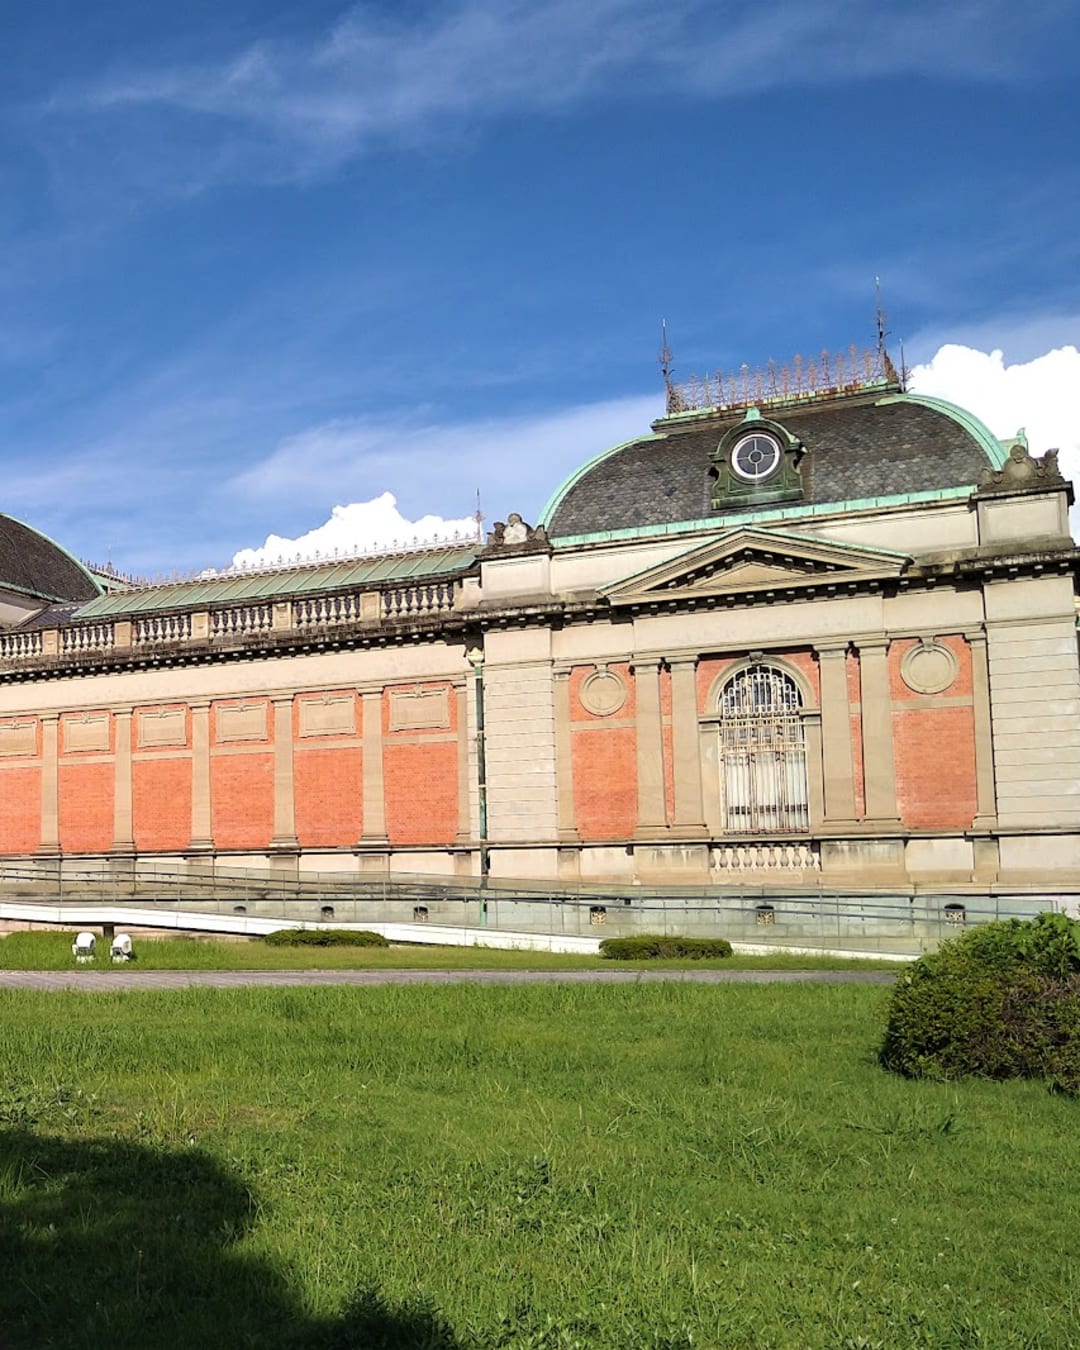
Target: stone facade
{"points": [[867, 692]]}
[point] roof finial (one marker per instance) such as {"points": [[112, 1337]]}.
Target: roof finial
{"points": [[885, 365], [670, 393]]}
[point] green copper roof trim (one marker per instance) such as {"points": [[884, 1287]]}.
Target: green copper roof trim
{"points": [[990, 444], [754, 517], [561, 491], [60, 549], [252, 587]]}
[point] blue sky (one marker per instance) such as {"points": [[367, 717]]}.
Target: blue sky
{"points": [[260, 260]]}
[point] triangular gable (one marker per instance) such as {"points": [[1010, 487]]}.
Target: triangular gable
{"points": [[750, 559]]}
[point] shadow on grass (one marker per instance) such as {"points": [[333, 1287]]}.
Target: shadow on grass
{"points": [[111, 1244]]}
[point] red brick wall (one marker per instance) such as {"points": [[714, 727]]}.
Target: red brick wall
{"points": [[20, 808], [242, 787], [86, 793], [161, 803], [420, 770], [161, 787], [86, 805], [934, 746], [603, 754], [329, 788]]}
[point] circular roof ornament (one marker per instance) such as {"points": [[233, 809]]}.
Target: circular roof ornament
{"points": [[756, 457]]}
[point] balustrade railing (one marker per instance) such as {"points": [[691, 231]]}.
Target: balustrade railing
{"points": [[433, 597], [155, 629], [20, 646], [239, 620], [306, 613], [86, 637], [744, 858], [323, 610]]}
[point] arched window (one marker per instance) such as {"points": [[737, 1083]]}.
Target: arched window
{"points": [[762, 753]]}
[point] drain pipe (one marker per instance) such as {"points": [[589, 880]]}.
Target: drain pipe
{"points": [[475, 657]]}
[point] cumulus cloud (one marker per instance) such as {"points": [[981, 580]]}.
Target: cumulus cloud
{"points": [[1042, 396], [359, 527], [516, 461]]}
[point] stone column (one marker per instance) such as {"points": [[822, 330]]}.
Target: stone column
{"points": [[686, 747], [564, 764], [284, 836], [50, 783], [985, 787], [837, 766], [652, 807], [373, 820], [202, 831], [123, 834], [879, 773]]}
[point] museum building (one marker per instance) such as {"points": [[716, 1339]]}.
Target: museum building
{"points": [[810, 629]]}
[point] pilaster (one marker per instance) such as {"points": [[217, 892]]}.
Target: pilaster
{"points": [[284, 836], [373, 813], [564, 765], [652, 809], [879, 770], [202, 833], [123, 835], [838, 771], [689, 816], [985, 787], [50, 783]]}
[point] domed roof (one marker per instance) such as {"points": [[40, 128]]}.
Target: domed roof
{"points": [[31, 564], [856, 448]]}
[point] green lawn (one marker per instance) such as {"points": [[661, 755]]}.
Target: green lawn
{"points": [[52, 951], [601, 1167]]}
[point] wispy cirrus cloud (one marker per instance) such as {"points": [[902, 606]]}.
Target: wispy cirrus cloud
{"points": [[288, 109]]}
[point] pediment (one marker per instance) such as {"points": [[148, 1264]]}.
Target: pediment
{"points": [[757, 560]]}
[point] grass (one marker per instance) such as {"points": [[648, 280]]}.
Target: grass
{"points": [[658, 1167], [52, 951]]}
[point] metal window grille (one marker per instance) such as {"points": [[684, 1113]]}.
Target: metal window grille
{"points": [[762, 753]]}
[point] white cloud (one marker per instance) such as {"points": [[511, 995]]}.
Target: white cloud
{"points": [[517, 459], [1042, 396], [291, 108], [360, 527], [514, 462]]}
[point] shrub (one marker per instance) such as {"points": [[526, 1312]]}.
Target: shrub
{"points": [[656, 947], [325, 937], [1002, 1001]]}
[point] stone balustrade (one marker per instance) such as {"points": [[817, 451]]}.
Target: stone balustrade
{"points": [[231, 624], [753, 857]]}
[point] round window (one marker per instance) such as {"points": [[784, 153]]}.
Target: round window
{"points": [[755, 457]]}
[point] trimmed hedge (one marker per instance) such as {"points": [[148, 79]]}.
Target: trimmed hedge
{"points": [[1002, 1001], [656, 947], [325, 937]]}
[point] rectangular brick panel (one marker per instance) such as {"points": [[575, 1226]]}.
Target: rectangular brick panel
{"points": [[20, 810], [161, 803], [935, 767], [329, 796], [86, 806], [242, 800], [421, 792]]}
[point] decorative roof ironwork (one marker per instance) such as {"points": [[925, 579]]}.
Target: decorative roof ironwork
{"points": [[796, 381]]}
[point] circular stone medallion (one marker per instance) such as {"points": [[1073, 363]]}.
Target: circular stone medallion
{"points": [[929, 668], [603, 693]]}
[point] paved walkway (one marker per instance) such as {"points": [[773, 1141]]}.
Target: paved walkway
{"points": [[96, 981]]}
